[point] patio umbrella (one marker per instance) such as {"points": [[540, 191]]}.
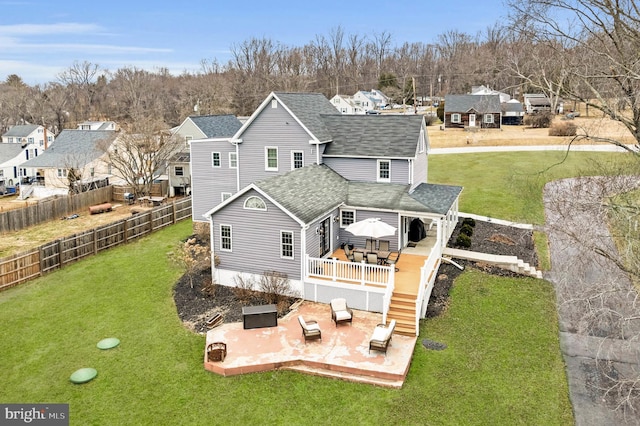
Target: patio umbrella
{"points": [[371, 227]]}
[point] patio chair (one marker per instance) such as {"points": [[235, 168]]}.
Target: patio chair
{"points": [[358, 256], [372, 258], [393, 259], [369, 244], [348, 253], [340, 312], [383, 245], [310, 329], [381, 337]]}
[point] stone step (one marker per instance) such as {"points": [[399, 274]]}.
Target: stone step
{"points": [[511, 263], [360, 378]]}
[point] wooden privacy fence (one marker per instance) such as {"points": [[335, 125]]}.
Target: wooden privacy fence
{"points": [[52, 208], [25, 266]]}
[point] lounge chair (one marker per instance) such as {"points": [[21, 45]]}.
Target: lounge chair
{"points": [[393, 259], [383, 245], [372, 258], [310, 329], [381, 337], [358, 256], [340, 312]]}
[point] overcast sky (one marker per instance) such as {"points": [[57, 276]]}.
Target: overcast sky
{"points": [[41, 38]]}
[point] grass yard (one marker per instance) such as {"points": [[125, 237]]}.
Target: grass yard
{"points": [[508, 185], [502, 365]]}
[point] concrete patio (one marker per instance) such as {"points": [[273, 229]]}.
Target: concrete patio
{"points": [[343, 352]]}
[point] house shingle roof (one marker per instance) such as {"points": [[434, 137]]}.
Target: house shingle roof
{"points": [[21, 130], [73, 148], [373, 135], [308, 108], [307, 192], [9, 151], [311, 191], [217, 126], [478, 103]]}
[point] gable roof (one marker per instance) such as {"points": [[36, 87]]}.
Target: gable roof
{"points": [[478, 103], [512, 106], [73, 148], [373, 136], [21, 130], [306, 108], [217, 126]]}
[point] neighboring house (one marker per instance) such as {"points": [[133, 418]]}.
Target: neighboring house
{"points": [[484, 90], [97, 125], [279, 194], [346, 105], [11, 157], [537, 102], [512, 112], [33, 139], [197, 127], [370, 100], [472, 111], [74, 150]]}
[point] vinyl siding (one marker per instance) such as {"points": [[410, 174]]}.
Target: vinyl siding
{"points": [[270, 129], [421, 163], [313, 239], [208, 183], [189, 128], [387, 217], [366, 169], [256, 239]]}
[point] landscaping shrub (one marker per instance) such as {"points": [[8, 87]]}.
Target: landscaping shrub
{"points": [[541, 120], [469, 221], [430, 120], [440, 111], [564, 128], [466, 229], [463, 240]]}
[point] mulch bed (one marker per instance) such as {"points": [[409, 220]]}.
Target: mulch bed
{"points": [[197, 300]]}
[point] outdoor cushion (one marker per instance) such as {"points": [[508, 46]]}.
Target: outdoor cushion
{"points": [[339, 304], [342, 315], [380, 333], [311, 327]]}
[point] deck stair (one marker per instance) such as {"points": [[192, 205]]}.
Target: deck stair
{"points": [[511, 263], [403, 310]]}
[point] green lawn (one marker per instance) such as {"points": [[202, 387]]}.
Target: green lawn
{"points": [[502, 365], [508, 185]]}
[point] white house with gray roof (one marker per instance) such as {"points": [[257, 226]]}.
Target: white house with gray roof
{"points": [[81, 150], [27, 141], [296, 174]]}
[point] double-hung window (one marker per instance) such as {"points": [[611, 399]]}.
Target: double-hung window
{"points": [[225, 237], [178, 171], [347, 217], [233, 160], [384, 170], [215, 159], [271, 158], [297, 159], [455, 118], [286, 244], [488, 118]]}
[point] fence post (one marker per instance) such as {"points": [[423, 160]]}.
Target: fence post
{"points": [[60, 253], [41, 255], [95, 241], [175, 214]]}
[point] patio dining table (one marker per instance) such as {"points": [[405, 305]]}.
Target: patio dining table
{"points": [[383, 255]]}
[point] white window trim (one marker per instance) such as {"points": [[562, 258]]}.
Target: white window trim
{"points": [[456, 118], [266, 159], [225, 195], [293, 159], [342, 224], [219, 160], [233, 154], [378, 178], [488, 118], [293, 251], [175, 170], [230, 238], [254, 208]]}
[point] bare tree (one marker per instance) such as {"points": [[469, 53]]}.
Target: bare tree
{"points": [[140, 154]]}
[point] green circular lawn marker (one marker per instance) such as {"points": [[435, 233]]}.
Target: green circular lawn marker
{"points": [[83, 375], [108, 343]]}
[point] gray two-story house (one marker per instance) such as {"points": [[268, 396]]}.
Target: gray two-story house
{"points": [[283, 190]]}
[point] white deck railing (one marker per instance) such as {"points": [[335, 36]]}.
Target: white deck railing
{"points": [[351, 272], [428, 273]]}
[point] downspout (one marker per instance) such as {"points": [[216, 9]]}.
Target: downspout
{"points": [[237, 168], [213, 252]]}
